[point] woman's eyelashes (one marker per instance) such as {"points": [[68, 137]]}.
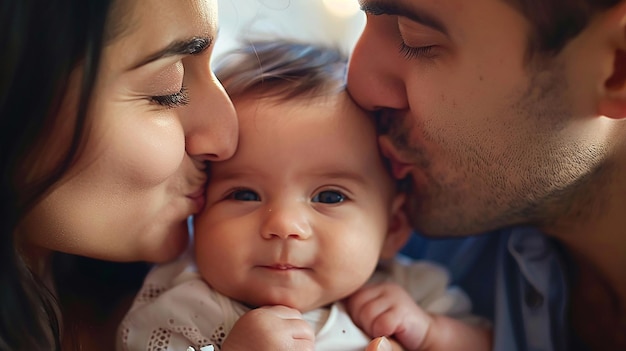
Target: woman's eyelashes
{"points": [[179, 98]]}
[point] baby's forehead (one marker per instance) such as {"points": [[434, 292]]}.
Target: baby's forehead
{"points": [[337, 105], [324, 133]]}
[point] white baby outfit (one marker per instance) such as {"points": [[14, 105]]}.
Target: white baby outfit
{"points": [[176, 309]]}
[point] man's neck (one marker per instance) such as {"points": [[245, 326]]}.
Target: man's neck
{"points": [[597, 315], [594, 230], [594, 233]]}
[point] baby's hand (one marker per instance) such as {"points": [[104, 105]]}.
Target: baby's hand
{"points": [[386, 309], [381, 343], [271, 328]]}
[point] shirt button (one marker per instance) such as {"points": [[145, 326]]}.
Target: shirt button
{"points": [[533, 299]]}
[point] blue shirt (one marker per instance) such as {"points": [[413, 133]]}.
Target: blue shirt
{"points": [[517, 278]]}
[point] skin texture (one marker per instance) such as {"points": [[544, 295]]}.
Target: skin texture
{"points": [[387, 309], [487, 141], [295, 253], [489, 138], [141, 172], [289, 153]]}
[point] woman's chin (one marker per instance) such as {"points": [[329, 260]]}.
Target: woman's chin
{"points": [[173, 244]]}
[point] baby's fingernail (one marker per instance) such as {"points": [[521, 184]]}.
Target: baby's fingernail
{"points": [[384, 344]]}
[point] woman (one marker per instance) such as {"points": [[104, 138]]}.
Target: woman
{"points": [[109, 115]]}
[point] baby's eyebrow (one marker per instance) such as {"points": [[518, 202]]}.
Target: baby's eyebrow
{"points": [[232, 174], [354, 176]]}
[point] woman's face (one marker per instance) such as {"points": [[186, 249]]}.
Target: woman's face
{"points": [[157, 115]]}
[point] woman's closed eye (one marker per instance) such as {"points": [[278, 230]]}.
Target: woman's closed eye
{"points": [[329, 197], [179, 98]]}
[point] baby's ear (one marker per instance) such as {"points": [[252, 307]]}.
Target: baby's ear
{"points": [[399, 229]]}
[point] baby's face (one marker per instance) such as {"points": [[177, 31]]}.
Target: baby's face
{"points": [[299, 215]]}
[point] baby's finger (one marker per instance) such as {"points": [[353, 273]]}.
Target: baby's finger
{"points": [[383, 344], [283, 312], [368, 317], [379, 344], [361, 297], [387, 323]]}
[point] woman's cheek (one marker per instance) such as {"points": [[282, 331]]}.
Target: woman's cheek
{"points": [[149, 153]]}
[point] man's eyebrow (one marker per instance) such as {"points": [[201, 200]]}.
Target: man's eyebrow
{"points": [[383, 7], [191, 46]]}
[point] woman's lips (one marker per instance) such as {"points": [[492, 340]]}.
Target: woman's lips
{"points": [[198, 198]]}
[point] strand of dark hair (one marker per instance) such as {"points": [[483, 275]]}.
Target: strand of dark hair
{"points": [[555, 22], [41, 44]]}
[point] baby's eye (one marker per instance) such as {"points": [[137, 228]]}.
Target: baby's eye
{"points": [[329, 197], [244, 195]]}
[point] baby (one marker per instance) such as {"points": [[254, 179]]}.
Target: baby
{"points": [[297, 242]]}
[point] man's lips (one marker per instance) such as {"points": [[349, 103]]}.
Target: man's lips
{"points": [[399, 169]]}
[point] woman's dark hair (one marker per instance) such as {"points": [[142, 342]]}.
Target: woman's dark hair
{"points": [[555, 22], [41, 43]]}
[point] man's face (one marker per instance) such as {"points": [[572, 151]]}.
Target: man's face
{"points": [[487, 139]]}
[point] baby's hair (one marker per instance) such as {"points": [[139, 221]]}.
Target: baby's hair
{"points": [[283, 69]]}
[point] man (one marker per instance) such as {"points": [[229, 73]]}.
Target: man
{"points": [[509, 117]]}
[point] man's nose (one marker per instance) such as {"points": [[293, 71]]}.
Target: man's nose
{"points": [[376, 76]]}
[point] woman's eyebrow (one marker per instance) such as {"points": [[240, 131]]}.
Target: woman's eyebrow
{"points": [[383, 7], [191, 46]]}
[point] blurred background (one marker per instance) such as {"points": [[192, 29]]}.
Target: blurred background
{"points": [[337, 22]]}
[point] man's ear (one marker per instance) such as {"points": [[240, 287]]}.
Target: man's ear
{"points": [[613, 101], [399, 229]]}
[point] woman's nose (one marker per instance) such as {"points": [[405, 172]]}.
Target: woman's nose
{"points": [[285, 222], [210, 122]]}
